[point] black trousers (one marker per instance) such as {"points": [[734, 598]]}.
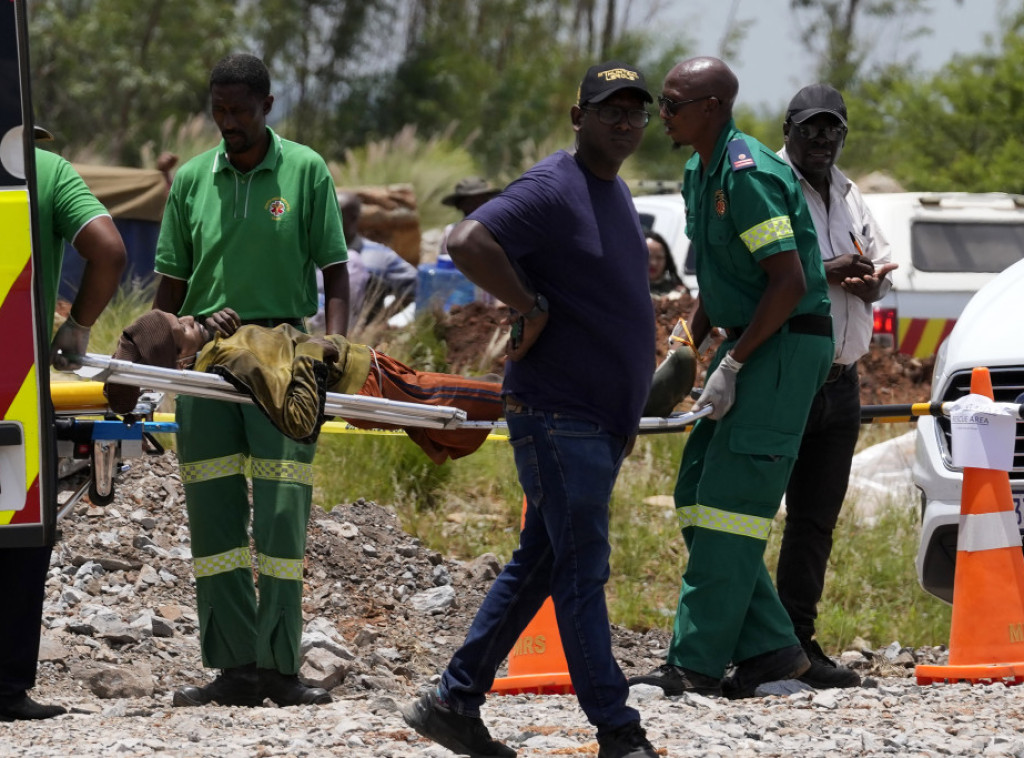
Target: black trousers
{"points": [[24, 580], [814, 498]]}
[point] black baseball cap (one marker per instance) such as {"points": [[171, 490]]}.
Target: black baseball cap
{"points": [[814, 99], [609, 77]]}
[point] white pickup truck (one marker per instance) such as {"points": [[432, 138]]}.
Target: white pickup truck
{"points": [[987, 334], [947, 244]]}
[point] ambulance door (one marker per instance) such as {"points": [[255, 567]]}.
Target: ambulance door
{"points": [[27, 447]]}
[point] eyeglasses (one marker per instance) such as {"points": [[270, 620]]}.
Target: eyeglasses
{"points": [[610, 115], [671, 107], [832, 133]]}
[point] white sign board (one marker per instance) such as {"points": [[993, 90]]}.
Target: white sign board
{"points": [[983, 433]]}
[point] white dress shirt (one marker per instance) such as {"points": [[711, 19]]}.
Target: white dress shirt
{"points": [[852, 318]]}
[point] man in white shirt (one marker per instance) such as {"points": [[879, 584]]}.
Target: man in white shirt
{"points": [[856, 258]]}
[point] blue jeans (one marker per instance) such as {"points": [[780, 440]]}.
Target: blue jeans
{"points": [[567, 467]]}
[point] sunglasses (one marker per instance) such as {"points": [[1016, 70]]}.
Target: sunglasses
{"points": [[671, 107], [810, 131], [610, 115]]}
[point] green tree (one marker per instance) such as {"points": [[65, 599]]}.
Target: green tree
{"points": [[499, 75], [107, 74], [832, 30], [958, 129], [315, 49]]}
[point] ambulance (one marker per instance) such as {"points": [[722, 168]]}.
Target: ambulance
{"points": [[948, 246]]}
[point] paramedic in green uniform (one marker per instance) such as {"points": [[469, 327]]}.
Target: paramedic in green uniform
{"points": [[67, 211], [246, 226], [761, 279]]}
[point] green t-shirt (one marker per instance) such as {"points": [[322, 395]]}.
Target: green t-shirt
{"points": [[739, 215], [66, 205], [251, 241]]}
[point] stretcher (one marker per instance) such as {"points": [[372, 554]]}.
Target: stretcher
{"points": [[103, 443], [375, 409]]}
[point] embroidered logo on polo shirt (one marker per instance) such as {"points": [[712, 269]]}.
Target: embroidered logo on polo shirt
{"points": [[720, 202], [277, 207]]}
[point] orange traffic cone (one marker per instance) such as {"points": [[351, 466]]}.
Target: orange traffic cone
{"points": [[537, 662], [986, 638]]}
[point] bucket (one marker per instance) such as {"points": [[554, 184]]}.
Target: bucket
{"points": [[441, 285]]}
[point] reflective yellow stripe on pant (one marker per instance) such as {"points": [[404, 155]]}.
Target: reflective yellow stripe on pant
{"points": [[222, 446]]}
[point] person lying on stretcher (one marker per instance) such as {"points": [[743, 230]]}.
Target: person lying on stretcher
{"points": [[287, 373]]}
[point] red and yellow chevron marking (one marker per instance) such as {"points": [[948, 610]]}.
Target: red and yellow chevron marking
{"points": [[19, 396], [921, 337]]}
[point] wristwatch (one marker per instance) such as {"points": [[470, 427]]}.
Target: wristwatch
{"points": [[540, 305]]}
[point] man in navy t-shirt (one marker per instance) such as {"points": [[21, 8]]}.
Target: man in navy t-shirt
{"points": [[564, 248]]}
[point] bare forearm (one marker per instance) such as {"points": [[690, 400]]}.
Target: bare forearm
{"points": [[170, 294], [336, 299], [100, 245], [100, 281]]}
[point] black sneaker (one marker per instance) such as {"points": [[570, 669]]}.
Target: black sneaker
{"points": [[286, 689], [234, 686], [825, 673], [785, 663], [464, 735], [627, 741], [25, 708], [675, 680]]}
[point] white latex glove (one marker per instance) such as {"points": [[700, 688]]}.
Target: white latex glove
{"points": [[720, 389], [71, 339]]}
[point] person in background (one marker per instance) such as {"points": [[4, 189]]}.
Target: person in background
{"points": [[470, 193], [760, 278], [388, 273], [563, 247], [856, 258], [246, 225], [67, 211], [661, 268]]}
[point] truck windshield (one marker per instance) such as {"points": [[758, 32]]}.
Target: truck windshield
{"points": [[982, 248]]}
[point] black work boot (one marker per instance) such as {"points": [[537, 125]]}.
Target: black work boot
{"points": [[627, 741], [825, 673], [25, 708], [675, 680], [234, 686], [785, 663], [286, 689], [464, 735]]}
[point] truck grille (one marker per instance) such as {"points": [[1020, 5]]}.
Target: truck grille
{"points": [[1007, 386]]}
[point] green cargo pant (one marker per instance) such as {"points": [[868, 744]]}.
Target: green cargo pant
{"points": [[220, 445], [731, 480]]}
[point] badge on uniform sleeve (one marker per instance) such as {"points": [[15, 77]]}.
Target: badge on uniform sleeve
{"points": [[720, 207], [739, 155]]}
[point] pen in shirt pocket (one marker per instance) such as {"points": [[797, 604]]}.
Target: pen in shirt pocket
{"points": [[856, 244]]}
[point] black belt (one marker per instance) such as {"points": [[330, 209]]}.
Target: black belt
{"points": [[272, 322], [804, 323], [837, 370]]}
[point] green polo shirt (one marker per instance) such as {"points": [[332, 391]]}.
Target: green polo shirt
{"points": [[738, 216], [65, 205], [251, 241]]}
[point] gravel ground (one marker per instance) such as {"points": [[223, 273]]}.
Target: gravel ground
{"points": [[383, 615]]}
